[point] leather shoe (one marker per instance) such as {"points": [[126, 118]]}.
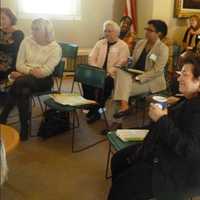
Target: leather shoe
{"points": [[94, 118], [121, 114], [113, 127]]}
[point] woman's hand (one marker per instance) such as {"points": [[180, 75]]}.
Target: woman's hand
{"points": [[155, 113], [37, 72], [14, 75], [172, 100]]}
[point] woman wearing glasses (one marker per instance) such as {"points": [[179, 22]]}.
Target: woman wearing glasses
{"points": [[150, 56]]}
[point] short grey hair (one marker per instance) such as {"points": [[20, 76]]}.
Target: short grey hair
{"points": [[113, 24], [45, 26]]}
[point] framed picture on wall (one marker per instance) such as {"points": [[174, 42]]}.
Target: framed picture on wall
{"points": [[186, 8]]}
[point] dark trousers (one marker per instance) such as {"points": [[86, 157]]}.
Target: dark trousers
{"points": [[131, 177], [19, 95], [99, 95]]}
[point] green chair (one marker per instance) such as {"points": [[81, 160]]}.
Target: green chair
{"points": [[69, 54], [58, 77], [115, 144], [91, 76]]}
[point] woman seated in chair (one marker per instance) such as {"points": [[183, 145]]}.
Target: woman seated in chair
{"points": [[166, 165], [108, 53], [150, 56], [10, 39], [38, 55]]}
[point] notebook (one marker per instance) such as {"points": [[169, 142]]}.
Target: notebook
{"points": [[132, 70], [127, 135], [135, 71], [72, 99]]}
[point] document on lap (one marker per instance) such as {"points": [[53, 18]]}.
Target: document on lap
{"points": [[132, 70]]}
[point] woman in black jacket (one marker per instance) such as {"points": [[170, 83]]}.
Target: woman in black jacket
{"points": [[10, 40], [167, 164]]}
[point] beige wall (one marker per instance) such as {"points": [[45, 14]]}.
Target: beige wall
{"points": [[87, 31], [84, 32], [157, 9], [144, 13], [165, 10]]}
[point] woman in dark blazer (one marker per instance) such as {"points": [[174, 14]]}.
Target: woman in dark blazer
{"points": [[167, 164], [10, 40]]}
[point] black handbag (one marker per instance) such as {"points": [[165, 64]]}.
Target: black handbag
{"points": [[54, 122]]}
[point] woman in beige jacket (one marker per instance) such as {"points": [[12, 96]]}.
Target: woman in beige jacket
{"points": [[108, 53], [150, 56]]}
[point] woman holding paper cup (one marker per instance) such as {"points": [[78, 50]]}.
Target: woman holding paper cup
{"points": [[149, 56], [37, 57], [166, 165]]}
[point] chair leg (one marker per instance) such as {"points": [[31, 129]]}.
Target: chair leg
{"points": [[74, 118], [108, 162], [40, 103], [73, 131], [80, 89], [105, 118], [72, 89], [60, 84], [30, 117], [77, 119], [34, 104]]}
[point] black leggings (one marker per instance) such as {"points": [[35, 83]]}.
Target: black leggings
{"points": [[19, 95], [131, 179], [99, 95]]}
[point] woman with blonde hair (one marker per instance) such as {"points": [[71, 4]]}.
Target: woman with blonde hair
{"points": [[38, 55]]}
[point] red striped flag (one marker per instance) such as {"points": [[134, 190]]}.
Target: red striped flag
{"points": [[130, 10]]}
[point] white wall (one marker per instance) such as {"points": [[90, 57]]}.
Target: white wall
{"points": [[165, 10], [84, 32], [94, 12]]}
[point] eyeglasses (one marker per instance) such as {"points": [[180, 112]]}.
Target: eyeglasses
{"points": [[149, 29]]}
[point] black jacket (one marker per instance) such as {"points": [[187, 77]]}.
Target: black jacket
{"points": [[174, 142]]}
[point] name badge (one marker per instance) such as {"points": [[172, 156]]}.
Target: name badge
{"points": [[153, 57]]}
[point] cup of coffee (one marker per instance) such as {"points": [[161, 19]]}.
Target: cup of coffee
{"points": [[160, 101]]}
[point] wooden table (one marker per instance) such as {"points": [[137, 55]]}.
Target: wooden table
{"points": [[10, 137]]}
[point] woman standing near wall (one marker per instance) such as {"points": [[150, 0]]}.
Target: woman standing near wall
{"points": [[192, 35]]}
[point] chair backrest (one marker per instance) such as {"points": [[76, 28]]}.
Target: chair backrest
{"points": [[90, 75], [69, 53], [69, 50]]}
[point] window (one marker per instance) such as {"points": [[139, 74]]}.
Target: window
{"points": [[57, 9]]}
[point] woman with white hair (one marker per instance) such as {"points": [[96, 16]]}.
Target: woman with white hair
{"points": [[37, 57], [108, 53]]}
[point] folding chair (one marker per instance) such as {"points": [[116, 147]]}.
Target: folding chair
{"points": [[115, 144], [91, 76], [58, 77], [69, 55]]}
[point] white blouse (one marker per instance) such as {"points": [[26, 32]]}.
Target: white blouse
{"points": [[31, 55]]}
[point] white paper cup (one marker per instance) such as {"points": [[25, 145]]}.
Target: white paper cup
{"points": [[160, 101]]}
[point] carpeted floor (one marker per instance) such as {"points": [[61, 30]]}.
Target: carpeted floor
{"points": [[48, 170]]}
